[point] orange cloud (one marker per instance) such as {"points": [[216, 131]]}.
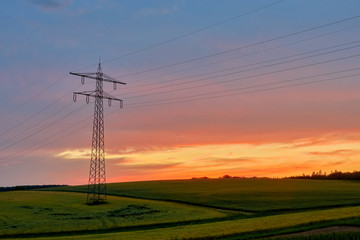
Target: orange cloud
{"points": [[341, 152]]}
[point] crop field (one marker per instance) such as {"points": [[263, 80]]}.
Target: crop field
{"points": [[243, 194], [44, 212], [183, 209]]}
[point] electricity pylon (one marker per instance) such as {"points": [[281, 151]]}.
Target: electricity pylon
{"points": [[97, 177]]}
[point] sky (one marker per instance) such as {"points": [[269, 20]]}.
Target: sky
{"points": [[266, 88]]}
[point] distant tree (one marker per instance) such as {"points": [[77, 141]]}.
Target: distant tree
{"points": [[19, 188], [338, 175], [195, 178], [226, 176]]}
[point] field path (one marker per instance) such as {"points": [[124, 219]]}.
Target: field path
{"points": [[333, 229]]}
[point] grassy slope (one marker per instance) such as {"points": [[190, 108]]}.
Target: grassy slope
{"points": [[243, 194], [25, 212], [225, 227]]}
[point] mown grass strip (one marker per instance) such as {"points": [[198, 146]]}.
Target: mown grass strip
{"points": [[329, 236], [271, 234]]}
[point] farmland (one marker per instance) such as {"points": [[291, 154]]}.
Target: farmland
{"points": [[182, 209], [31, 213], [242, 194]]}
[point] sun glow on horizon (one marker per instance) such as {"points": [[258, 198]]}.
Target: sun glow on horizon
{"points": [[242, 159]]}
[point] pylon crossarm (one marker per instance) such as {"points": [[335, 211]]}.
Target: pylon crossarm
{"points": [[89, 94], [85, 92], [106, 79], [79, 74], [93, 94], [111, 79], [115, 99], [84, 74], [108, 95]]}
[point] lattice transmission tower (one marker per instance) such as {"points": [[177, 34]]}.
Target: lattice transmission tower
{"points": [[97, 177]]}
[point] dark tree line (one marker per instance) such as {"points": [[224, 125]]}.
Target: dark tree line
{"points": [[27, 187], [337, 175]]}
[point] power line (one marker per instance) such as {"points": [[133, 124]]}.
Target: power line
{"points": [[240, 93], [264, 74], [254, 90], [243, 47], [212, 97], [43, 128], [201, 29], [199, 58], [30, 98], [247, 65], [191, 33], [26, 152], [134, 105], [242, 71], [263, 84], [43, 120], [198, 99], [236, 57], [141, 50], [35, 114]]}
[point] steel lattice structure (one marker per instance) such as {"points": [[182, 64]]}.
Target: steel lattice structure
{"points": [[97, 176]]}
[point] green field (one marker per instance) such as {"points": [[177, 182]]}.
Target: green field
{"points": [[32, 211], [182, 209], [243, 194]]}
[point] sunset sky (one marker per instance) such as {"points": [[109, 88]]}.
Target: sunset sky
{"points": [[266, 88]]}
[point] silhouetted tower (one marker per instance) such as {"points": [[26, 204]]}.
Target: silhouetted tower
{"points": [[97, 176]]}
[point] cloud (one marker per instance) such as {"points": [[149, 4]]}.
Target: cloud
{"points": [[307, 142], [147, 12], [221, 160], [79, 154], [331, 138], [340, 152], [5, 163], [75, 154], [149, 166], [50, 4], [140, 150], [336, 163]]}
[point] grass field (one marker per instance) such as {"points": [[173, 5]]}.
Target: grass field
{"points": [[243, 194], [259, 208], [42, 212], [224, 228]]}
